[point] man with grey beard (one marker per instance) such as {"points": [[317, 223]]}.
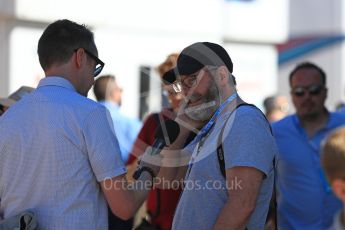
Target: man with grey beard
{"points": [[228, 176]]}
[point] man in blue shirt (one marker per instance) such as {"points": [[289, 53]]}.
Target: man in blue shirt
{"points": [[59, 155], [109, 94], [304, 198]]}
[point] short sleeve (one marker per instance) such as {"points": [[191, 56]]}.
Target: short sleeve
{"points": [[102, 146], [248, 142]]}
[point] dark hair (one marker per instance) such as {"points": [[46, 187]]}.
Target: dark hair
{"points": [[100, 86], [60, 39], [308, 65], [270, 103]]}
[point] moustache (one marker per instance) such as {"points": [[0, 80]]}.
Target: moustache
{"points": [[308, 103]]}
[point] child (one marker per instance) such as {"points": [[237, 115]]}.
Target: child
{"points": [[333, 162]]}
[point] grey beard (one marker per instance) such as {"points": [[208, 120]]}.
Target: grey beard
{"points": [[205, 110], [202, 112]]}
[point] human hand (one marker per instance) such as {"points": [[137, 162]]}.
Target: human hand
{"points": [[151, 161]]}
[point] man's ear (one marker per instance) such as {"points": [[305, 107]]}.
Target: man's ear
{"points": [[80, 57], [223, 75], [338, 187]]}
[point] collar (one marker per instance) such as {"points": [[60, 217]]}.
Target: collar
{"points": [[331, 122], [56, 81]]}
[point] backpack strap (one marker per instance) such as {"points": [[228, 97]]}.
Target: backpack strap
{"points": [[220, 151], [220, 154], [272, 215]]}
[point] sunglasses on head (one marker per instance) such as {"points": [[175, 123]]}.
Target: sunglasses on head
{"points": [[312, 90]]}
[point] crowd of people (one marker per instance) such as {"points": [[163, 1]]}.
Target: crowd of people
{"points": [[68, 162]]}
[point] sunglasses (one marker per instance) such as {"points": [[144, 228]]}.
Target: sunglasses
{"points": [[312, 90], [99, 64]]}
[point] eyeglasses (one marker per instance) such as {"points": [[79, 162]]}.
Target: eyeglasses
{"points": [[99, 64], [190, 81], [187, 82], [312, 90]]}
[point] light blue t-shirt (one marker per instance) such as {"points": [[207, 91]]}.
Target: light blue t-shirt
{"points": [[126, 129], [247, 141], [303, 196]]}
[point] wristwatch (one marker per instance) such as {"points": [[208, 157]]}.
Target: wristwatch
{"points": [[141, 169]]}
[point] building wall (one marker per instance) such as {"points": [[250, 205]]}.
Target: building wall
{"points": [[133, 33], [315, 17]]}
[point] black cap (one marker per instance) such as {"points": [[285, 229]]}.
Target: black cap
{"points": [[196, 56]]}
